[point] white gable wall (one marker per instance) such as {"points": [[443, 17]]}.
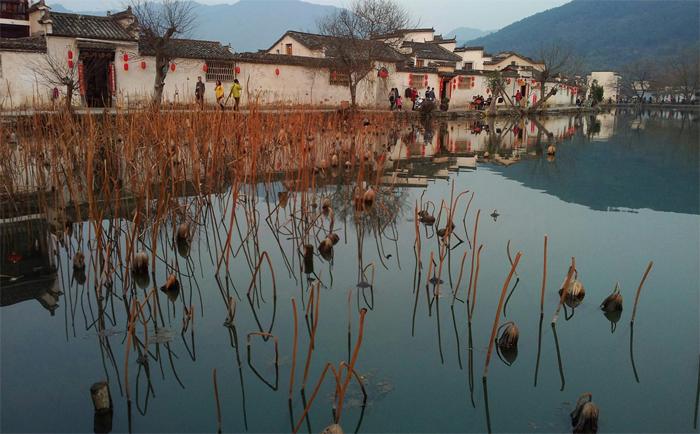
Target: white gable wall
{"points": [[298, 49]]}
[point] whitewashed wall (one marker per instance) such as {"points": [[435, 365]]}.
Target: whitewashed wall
{"points": [[307, 86], [19, 85]]}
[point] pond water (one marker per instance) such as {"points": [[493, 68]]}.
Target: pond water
{"points": [[621, 191]]}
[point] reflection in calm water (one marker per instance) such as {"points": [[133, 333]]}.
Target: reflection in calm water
{"points": [[318, 301]]}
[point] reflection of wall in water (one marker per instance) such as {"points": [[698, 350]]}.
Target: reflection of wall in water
{"points": [[27, 255]]}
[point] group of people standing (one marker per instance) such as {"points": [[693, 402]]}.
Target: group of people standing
{"points": [[396, 101], [234, 92]]}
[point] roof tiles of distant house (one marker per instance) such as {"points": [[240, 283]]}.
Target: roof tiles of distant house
{"points": [[86, 26], [190, 49], [282, 59], [475, 48], [32, 44], [313, 41], [401, 32], [505, 54], [431, 51]]}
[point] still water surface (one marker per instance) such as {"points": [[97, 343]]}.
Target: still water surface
{"points": [[621, 191]]}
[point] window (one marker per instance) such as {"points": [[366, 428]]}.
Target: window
{"points": [[339, 79], [223, 71], [288, 49], [417, 81], [469, 66], [419, 63], [465, 82]]}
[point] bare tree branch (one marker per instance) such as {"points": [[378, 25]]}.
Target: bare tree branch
{"points": [[160, 25]]}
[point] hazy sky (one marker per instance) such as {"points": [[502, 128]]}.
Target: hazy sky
{"points": [[444, 15]]}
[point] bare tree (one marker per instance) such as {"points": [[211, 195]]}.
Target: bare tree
{"points": [[497, 86], [638, 78], [55, 72], [557, 60], [160, 25], [682, 73], [350, 46]]}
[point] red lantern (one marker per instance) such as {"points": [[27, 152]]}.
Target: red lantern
{"points": [[383, 73], [205, 67], [70, 54], [143, 64], [238, 69], [126, 57], [172, 67], [126, 67], [277, 71], [70, 64]]}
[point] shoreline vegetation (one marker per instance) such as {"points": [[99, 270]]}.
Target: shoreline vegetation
{"points": [[456, 113]]}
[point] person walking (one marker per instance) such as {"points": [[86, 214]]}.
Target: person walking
{"points": [[235, 92], [219, 92], [392, 99], [414, 96], [199, 93]]}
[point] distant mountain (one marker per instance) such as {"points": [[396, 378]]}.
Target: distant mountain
{"points": [[607, 33], [248, 25], [464, 34]]}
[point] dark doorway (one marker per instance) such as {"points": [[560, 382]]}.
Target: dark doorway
{"points": [[96, 64], [445, 88]]}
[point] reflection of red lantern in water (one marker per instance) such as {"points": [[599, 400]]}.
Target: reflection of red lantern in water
{"points": [[172, 67], [70, 64], [277, 71], [14, 257]]}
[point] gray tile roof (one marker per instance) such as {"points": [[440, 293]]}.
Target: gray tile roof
{"points": [[33, 44], [283, 59], [314, 41], [87, 26], [430, 51], [190, 49], [465, 48]]}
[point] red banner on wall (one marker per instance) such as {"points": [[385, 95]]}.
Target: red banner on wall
{"points": [[81, 78], [112, 79]]}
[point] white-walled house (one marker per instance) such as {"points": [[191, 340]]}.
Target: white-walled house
{"points": [[113, 66], [116, 67]]}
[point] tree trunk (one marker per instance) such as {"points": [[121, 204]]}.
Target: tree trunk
{"points": [[353, 93], [159, 84], [69, 96], [544, 98]]}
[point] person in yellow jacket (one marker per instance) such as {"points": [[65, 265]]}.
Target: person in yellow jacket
{"points": [[235, 93], [219, 91]]}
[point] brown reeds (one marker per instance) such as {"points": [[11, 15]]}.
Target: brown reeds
{"points": [[494, 328], [544, 276], [639, 289], [294, 349], [216, 398]]}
